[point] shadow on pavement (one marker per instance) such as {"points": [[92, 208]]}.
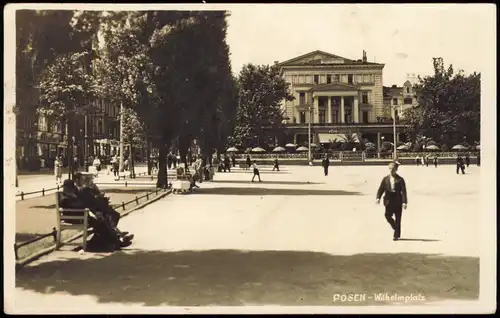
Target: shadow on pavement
{"points": [[23, 237], [268, 182], [51, 206], [125, 190], [233, 277], [418, 240], [271, 191], [260, 171]]}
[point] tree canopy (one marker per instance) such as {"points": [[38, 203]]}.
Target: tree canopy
{"points": [[448, 110]]}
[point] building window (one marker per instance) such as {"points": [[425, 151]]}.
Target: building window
{"points": [[328, 79], [302, 98], [364, 97], [295, 79], [359, 79], [288, 79], [408, 90], [322, 116], [347, 116], [365, 117], [316, 79], [408, 101], [335, 115], [302, 117], [394, 101], [367, 78], [337, 78], [350, 78]]}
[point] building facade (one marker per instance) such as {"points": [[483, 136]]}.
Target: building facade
{"points": [[336, 96], [400, 98]]}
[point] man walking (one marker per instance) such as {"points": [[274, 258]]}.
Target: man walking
{"points": [[436, 161], [460, 164], [256, 172], [326, 164], [276, 165], [395, 199], [467, 160]]}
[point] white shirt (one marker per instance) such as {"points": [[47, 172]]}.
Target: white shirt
{"points": [[97, 162], [255, 166], [392, 181]]}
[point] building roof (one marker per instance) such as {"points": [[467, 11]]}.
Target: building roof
{"points": [[334, 87], [392, 90], [324, 58]]}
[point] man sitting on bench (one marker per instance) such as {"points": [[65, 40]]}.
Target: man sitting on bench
{"points": [[70, 199], [95, 199]]}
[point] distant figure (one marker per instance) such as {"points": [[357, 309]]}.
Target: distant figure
{"points": [[97, 164], [248, 162], [255, 171], [478, 159], [233, 159], [276, 165], [417, 160], [427, 160], [169, 160], [460, 164], [325, 164], [435, 161], [395, 199], [422, 161], [467, 160], [116, 166], [227, 163], [58, 169]]}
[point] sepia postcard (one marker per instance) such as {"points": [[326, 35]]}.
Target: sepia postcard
{"points": [[249, 158]]}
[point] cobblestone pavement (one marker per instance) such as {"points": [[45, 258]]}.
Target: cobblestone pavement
{"points": [[297, 238]]}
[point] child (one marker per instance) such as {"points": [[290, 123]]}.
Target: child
{"points": [[255, 171], [276, 165]]}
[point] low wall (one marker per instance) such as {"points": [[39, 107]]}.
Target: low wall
{"points": [[367, 162]]}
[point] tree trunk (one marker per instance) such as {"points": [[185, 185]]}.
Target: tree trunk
{"points": [[70, 146], [148, 156], [162, 181]]}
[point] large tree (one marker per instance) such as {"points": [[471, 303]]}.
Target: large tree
{"points": [[261, 92], [448, 110]]}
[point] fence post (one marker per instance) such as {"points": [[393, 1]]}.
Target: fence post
{"points": [[156, 190], [43, 192], [136, 200], [147, 195], [123, 206], [15, 251], [22, 195]]}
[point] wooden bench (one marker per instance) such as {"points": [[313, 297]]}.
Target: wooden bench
{"points": [[82, 215]]}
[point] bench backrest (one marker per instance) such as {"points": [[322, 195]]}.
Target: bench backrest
{"points": [[77, 214]]}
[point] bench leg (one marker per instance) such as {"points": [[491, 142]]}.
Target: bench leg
{"points": [[85, 236], [58, 239]]}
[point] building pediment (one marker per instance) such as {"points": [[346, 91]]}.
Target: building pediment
{"points": [[316, 58], [334, 87]]}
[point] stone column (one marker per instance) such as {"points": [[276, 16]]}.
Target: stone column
{"points": [[342, 113], [356, 110], [315, 113], [329, 110]]}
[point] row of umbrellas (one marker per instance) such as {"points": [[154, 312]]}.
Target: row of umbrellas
{"points": [[277, 149]]}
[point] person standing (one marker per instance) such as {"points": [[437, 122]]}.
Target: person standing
{"points": [[227, 163], [326, 164], [435, 161], [169, 160], [427, 158], [233, 159], [116, 166], [255, 171], [395, 199], [276, 165], [248, 162], [422, 161], [478, 159], [58, 169], [417, 160], [460, 164], [467, 160], [97, 165]]}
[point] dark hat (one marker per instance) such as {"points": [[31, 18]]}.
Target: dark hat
{"points": [[68, 183], [396, 163]]}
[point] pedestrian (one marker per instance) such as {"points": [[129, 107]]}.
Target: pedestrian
{"points": [[75, 163], [460, 165], [422, 161], [467, 160], [58, 169], [248, 162], [478, 159], [325, 164], [435, 161], [233, 159], [255, 171], [276, 165], [227, 163], [116, 166], [417, 160], [169, 160], [97, 165], [427, 160], [395, 199]]}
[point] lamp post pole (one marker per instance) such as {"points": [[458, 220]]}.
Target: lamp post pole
{"points": [[395, 154], [86, 145]]}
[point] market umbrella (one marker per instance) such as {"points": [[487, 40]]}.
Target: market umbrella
{"points": [[291, 145], [258, 149], [232, 149], [403, 147], [370, 145], [314, 145], [478, 147], [279, 149], [432, 147], [431, 143], [459, 147], [302, 149]]}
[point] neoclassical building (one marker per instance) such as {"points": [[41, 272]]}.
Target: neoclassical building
{"points": [[336, 95]]}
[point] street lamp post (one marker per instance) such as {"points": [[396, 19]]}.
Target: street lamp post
{"points": [[86, 149], [311, 111], [395, 155]]}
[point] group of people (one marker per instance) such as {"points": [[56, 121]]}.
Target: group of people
{"points": [[81, 193], [426, 160]]}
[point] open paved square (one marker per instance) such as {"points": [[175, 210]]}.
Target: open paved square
{"points": [[297, 238]]}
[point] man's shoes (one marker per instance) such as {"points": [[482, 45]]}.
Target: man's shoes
{"points": [[395, 238], [128, 237], [123, 234], [125, 244]]}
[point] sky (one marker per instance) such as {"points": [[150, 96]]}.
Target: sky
{"points": [[403, 37]]}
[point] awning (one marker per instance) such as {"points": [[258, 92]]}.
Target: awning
{"points": [[328, 138]]}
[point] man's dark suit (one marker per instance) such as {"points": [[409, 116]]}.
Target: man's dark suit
{"points": [[326, 164], [393, 201]]}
